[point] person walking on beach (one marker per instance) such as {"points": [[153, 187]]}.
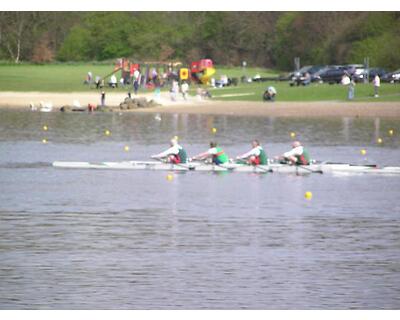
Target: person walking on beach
{"points": [[377, 83]]}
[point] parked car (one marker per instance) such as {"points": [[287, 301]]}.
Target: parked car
{"points": [[353, 69], [359, 73], [370, 73], [316, 77], [391, 77], [300, 72], [304, 76], [334, 74], [376, 71]]}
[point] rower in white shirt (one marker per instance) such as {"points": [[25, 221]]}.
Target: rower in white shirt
{"points": [[255, 156], [297, 156], [175, 154]]}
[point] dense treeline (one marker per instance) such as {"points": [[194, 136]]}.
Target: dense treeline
{"points": [[270, 39]]}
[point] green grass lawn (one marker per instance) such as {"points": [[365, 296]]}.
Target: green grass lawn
{"points": [[314, 92], [49, 78], [70, 77]]}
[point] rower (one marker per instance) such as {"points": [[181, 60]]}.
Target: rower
{"points": [[216, 153], [297, 156], [255, 156], [175, 154]]}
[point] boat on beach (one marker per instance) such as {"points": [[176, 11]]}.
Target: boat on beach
{"points": [[323, 167]]}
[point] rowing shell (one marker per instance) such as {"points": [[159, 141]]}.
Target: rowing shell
{"points": [[234, 167]]}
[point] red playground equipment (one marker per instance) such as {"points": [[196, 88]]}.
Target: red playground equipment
{"points": [[202, 70]]}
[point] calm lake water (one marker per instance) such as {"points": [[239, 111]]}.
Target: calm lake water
{"points": [[81, 239]]}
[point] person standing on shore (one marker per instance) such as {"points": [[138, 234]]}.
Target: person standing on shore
{"points": [[184, 89], [174, 90], [157, 87], [350, 94], [136, 81], [377, 83], [135, 86], [103, 99]]}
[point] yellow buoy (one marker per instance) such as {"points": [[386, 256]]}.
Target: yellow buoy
{"points": [[170, 177], [379, 140], [391, 132], [308, 195], [107, 132], [363, 152], [44, 140], [45, 128], [292, 134], [126, 148]]}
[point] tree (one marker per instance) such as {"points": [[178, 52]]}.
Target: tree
{"points": [[14, 31], [42, 51], [76, 46]]}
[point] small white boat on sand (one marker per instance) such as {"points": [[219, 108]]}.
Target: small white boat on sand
{"points": [[46, 107]]}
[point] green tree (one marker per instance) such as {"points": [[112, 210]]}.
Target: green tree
{"points": [[76, 46]]}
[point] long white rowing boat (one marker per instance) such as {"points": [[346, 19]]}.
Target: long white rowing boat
{"points": [[234, 167]]}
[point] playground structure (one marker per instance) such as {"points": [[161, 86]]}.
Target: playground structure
{"points": [[202, 70], [150, 74]]}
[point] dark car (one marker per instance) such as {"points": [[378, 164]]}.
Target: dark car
{"points": [[353, 69], [377, 71], [300, 72], [371, 73], [333, 74], [304, 76], [316, 77], [391, 77]]}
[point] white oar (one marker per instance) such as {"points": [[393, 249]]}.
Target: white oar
{"points": [[255, 166], [310, 170], [215, 164], [176, 164]]}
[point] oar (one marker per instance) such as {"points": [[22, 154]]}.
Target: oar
{"points": [[351, 164], [310, 170], [221, 166], [176, 164], [264, 170], [255, 166], [215, 164]]}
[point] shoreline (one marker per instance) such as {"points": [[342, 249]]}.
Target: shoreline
{"points": [[286, 109], [21, 101]]}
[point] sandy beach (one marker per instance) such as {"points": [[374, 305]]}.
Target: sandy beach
{"points": [[21, 101]]}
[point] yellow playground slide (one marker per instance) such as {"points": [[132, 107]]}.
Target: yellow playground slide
{"points": [[207, 73]]}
